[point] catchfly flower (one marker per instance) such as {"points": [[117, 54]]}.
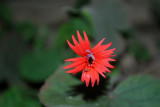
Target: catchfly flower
{"points": [[91, 62]]}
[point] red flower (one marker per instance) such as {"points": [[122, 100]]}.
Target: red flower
{"points": [[92, 61]]}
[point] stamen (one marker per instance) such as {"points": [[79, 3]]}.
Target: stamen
{"points": [[88, 51], [90, 58]]}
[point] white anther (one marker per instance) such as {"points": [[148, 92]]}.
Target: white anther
{"points": [[88, 51]]}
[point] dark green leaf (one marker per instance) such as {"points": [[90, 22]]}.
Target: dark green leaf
{"points": [[136, 91], [38, 65], [89, 21], [58, 88], [16, 98]]}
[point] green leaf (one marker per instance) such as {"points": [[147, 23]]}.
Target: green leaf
{"points": [[59, 91], [14, 97], [89, 21], [70, 28], [27, 29], [38, 65], [136, 91]]}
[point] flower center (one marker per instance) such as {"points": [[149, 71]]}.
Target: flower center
{"points": [[90, 58]]}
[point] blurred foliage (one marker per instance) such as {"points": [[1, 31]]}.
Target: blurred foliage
{"points": [[14, 97], [114, 76], [110, 15], [2, 31], [140, 52], [81, 3], [5, 18], [156, 7], [109, 18], [158, 44], [38, 65], [41, 38], [5, 13], [69, 28], [128, 33], [27, 30], [12, 48]]}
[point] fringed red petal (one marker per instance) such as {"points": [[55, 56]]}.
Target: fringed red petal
{"points": [[77, 69]]}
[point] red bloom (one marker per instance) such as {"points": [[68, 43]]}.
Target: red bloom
{"points": [[92, 61]]}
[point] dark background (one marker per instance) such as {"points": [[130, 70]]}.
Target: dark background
{"points": [[33, 47]]}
